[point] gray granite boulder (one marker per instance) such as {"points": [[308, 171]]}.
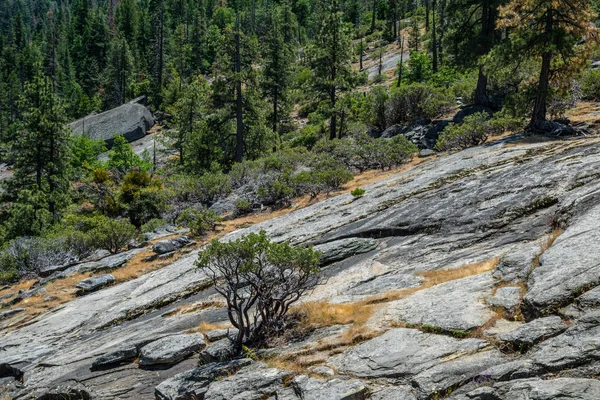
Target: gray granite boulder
{"points": [[130, 120], [308, 388], [171, 349], [194, 383], [534, 389], [400, 354], [170, 245], [578, 345], [534, 332], [9, 313], [115, 357], [221, 350], [394, 393], [94, 283], [256, 381], [567, 268]]}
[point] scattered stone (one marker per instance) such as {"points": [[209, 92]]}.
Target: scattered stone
{"points": [[508, 297], [253, 382], [579, 344], [344, 248], [194, 383], [66, 392], [129, 120], [307, 388], [94, 283], [97, 255], [534, 332], [426, 153], [47, 271], [394, 393], [108, 263], [168, 246], [9, 313], [221, 350], [171, 349]]}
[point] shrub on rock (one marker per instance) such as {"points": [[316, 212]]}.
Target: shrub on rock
{"points": [[474, 131], [260, 280], [199, 222]]}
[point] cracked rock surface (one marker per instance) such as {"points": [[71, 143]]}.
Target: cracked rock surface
{"points": [[433, 243]]}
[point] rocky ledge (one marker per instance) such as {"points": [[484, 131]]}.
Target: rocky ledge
{"points": [[481, 270]]}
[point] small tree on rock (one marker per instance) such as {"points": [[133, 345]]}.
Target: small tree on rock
{"points": [[260, 280]]}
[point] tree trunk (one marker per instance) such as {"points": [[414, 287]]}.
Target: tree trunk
{"points": [[426, 15], [361, 54], [373, 16], [481, 88], [275, 106], [401, 60], [488, 25], [442, 26], [434, 39], [539, 109], [239, 135]]}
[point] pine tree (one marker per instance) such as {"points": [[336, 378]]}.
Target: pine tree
{"points": [[157, 15], [330, 56], [42, 148], [279, 58], [557, 34]]}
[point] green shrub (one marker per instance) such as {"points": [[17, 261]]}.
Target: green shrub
{"points": [[199, 222], [474, 131], [142, 197], [358, 192], [152, 225], [123, 159], [590, 84], [418, 100], [112, 234], [323, 177], [275, 191], [243, 207], [255, 273]]}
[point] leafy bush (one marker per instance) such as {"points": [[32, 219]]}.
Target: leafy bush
{"points": [[419, 66], [474, 131], [324, 176], [418, 100], [255, 273], [243, 207], [152, 225], [123, 159], [142, 197], [112, 234], [590, 84], [199, 222], [358, 192]]}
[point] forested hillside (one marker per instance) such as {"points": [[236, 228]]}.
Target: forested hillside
{"points": [[257, 102]]}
